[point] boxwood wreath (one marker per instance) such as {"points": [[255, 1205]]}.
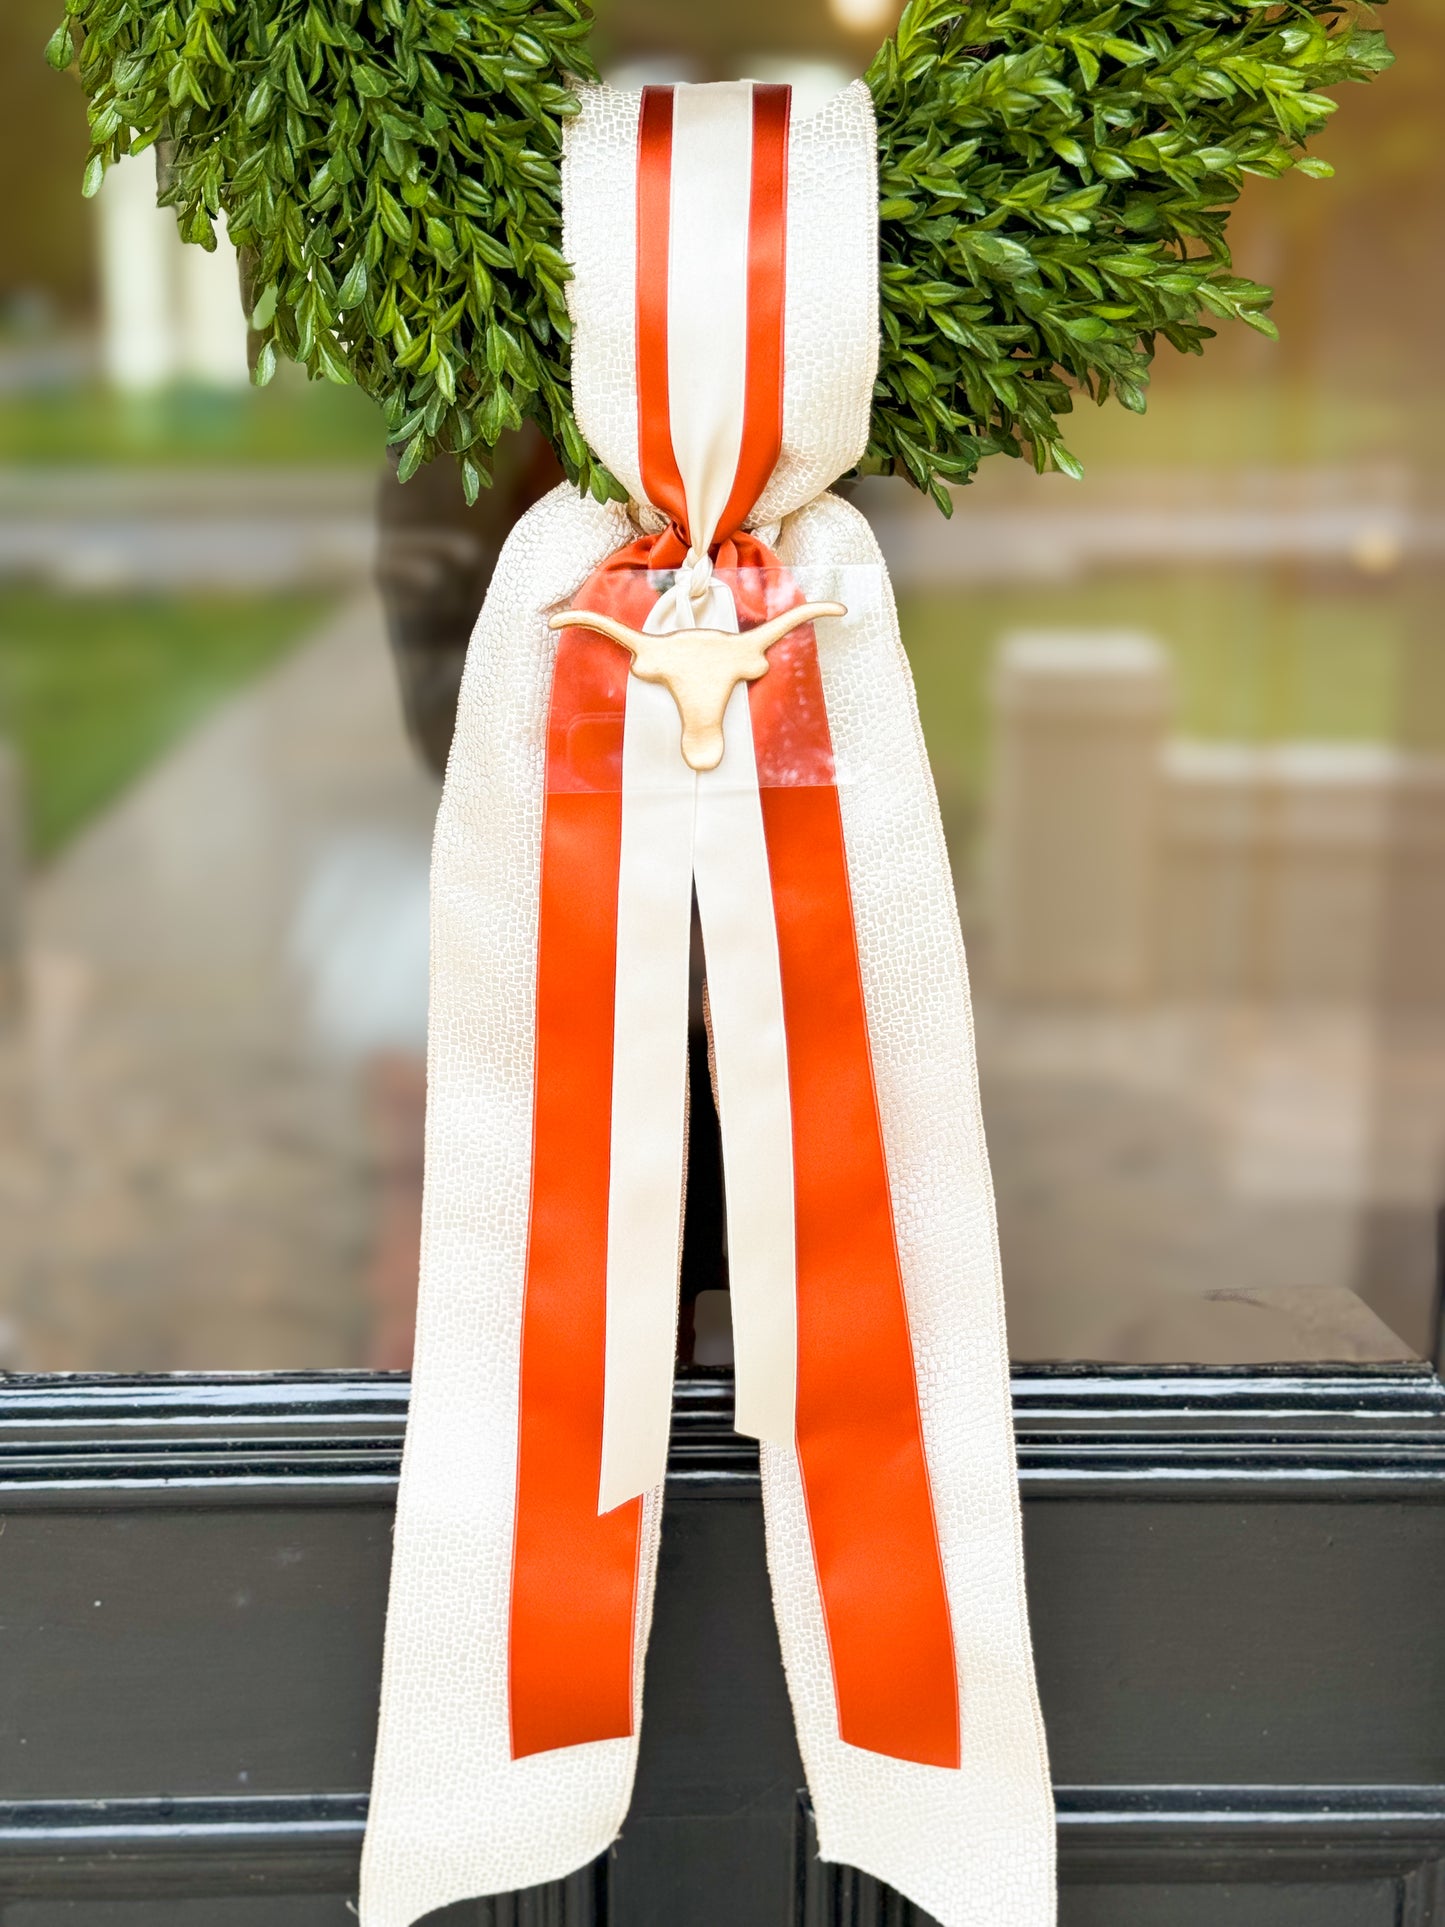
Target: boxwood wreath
{"points": [[1055, 180]]}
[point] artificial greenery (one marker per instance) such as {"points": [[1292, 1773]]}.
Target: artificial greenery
{"points": [[1055, 176], [392, 169]]}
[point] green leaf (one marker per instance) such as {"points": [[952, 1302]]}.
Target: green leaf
{"points": [[332, 365], [352, 291], [412, 457], [1010, 260], [60, 48], [1369, 52]]}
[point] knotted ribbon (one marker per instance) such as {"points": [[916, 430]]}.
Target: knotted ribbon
{"points": [[868, 1333], [819, 1317]]}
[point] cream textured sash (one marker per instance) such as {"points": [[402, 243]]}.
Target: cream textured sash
{"points": [[465, 1803]]}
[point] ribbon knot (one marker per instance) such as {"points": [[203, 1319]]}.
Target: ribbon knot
{"points": [[693, 581]]}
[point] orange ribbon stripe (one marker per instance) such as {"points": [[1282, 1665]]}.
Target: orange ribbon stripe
{"points": [[661, 478], [859, 1433], [762, 439], [574, 1574]]}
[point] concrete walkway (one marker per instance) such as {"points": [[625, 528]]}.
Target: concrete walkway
{"points": [[211, 1128], [227, 977], [116, 529], [234, 527], [1214, 1183], [1013, 526]]}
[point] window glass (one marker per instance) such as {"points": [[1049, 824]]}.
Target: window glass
{"points": [[1187, 720]]}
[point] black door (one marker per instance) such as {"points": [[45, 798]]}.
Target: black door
{"points": [[1199, 841], [1235, 1582]]}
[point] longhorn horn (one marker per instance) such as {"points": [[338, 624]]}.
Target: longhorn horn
{"points": [[607, 626], [776, 627]]}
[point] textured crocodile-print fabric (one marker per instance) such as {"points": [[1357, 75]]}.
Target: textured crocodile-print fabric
{"points": [[973, 1847], [453, 1815], [830, 327]]}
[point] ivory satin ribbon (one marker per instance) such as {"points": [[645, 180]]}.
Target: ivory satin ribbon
{"points": [[712, 171], [680, 829]]}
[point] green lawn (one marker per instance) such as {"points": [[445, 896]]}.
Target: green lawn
{"points": [[1255, 657], [92, 689], [292, 421], [1267, 423]]}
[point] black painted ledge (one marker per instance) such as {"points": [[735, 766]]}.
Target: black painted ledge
{"points": [[312, 1843], [334, 1436]]}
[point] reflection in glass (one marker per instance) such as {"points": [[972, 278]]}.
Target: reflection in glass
{"points": [[1214, 1074], [1187, 720]]}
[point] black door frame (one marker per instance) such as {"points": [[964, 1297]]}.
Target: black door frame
{"points": [[1237, 1582]]}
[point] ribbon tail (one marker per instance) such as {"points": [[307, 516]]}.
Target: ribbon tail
{"points": [[649, 1097], [574, 1592], [745, 1000], [859, 1430], [972, 1847]]}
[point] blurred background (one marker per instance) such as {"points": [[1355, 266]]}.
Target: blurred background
{"points": [[1187, 720]]}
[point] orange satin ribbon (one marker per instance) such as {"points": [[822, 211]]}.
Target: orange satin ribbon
{"points": [[859, 1436]]}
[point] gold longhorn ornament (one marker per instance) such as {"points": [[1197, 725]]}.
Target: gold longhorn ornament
{"points": [[699, 668]]}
